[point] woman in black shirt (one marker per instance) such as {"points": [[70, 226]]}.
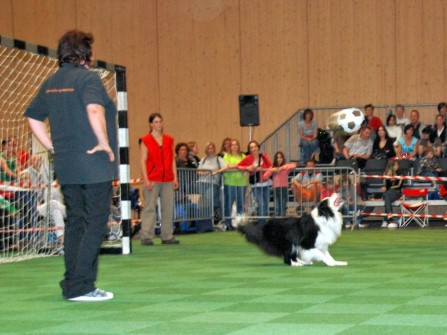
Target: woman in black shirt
{"points": [[383, 147]]}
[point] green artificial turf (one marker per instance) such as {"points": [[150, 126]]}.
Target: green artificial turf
{"points": [[216, 283]]}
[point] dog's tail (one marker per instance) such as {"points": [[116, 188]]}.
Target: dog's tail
{"points": [[252, 231], [262, 236]]}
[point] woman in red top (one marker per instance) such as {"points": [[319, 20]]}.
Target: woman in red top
{"points": [[159, 172], [280, 172], [257, 163]]}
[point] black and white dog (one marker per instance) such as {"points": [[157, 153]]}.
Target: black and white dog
{"points": [[303, 239]]}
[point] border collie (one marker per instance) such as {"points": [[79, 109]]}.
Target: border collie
{"points": [[300, 240]]}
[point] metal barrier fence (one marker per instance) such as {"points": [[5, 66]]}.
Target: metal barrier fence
{"points": [[286, 137], [264, 200], [195, 200]]}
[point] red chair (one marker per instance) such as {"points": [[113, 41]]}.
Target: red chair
{"points": [[414, 202]]}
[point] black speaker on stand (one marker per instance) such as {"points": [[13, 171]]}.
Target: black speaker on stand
{"points": [[249, 111]]}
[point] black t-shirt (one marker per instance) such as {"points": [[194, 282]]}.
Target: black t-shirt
{"points": [[63, 99]]}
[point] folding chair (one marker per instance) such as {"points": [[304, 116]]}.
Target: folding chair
{"points": [[412, 206]]}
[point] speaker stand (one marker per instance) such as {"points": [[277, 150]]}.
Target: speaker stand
{"points": [[250, 133]]}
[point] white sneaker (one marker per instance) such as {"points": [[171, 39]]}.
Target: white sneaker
{"points": [[348, 226], [392, 225], [384, 224], [96, 295]]}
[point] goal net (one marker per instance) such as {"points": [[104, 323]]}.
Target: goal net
{"points": [[31, 206]]}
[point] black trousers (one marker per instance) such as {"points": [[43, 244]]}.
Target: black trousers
{"points": [[88, 209]]}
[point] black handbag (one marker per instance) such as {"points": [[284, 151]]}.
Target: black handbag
{"points": [[255, 177]]}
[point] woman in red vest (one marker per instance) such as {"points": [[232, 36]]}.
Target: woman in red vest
{"points": [[159, 172]]}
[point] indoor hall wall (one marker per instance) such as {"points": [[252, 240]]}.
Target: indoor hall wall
{"points": [[421, 50], [199, 67], [351, 52], [274, 58], [190, 59], [125, 34]]}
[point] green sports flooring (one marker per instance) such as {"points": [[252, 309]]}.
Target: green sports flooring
{"points": [[216, 284]]}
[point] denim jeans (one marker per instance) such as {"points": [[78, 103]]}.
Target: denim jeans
{"points": [[233, 194], [308, 148], [281, 195], [88, 209], [262, 195]]}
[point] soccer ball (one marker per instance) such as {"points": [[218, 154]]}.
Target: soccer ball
{"points": [[349, 120]]}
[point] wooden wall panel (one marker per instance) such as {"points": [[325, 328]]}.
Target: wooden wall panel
{"points": [[140, 57], [351, 53], [97, 18], [274, 59], [129, 39], [191, 59], [421, 57], [6, 18], [43, 21], [409, 49], [199, 69]]}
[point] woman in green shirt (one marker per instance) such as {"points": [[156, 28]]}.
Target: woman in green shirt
{"points": [[235, 183]]}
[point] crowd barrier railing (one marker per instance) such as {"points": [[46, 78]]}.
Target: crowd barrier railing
{"points": [[195, 200], [270, 198]]}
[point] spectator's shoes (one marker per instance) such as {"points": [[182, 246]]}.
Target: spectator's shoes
{"points": [[146, 241], [96, 295], [171, 241], [392, 225]]}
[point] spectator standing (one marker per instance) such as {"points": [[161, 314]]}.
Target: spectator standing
{"points": [[308, 132], [280, 171], [193, 153], [159, 171], [225, 147], [211, 163], [235, 183], [256, 163], [186, 178]]}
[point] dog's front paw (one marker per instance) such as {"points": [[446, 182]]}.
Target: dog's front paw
{"points": [[292, 263], [337, 263]]}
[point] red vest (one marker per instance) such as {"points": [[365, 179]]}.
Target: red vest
{"points": [[159, 158]]}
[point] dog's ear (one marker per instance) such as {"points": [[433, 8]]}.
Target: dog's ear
{"points": [[324, 209], [324, 203]]}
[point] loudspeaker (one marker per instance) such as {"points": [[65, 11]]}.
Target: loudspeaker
{"points": [[249, 110]]}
